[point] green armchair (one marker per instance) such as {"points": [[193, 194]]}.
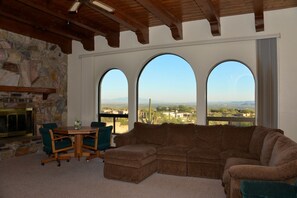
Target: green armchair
{"points": [[100, 141], [98, 124], [51, 125], [54, 145], [267, 189]]}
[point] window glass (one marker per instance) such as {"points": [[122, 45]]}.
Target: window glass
{"points": [[231, 95], [114, 100], [167, 91]]}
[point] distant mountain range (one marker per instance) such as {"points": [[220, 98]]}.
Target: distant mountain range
{"points": [[115, 101], [123, 100], [232, 104], [213, 105]]}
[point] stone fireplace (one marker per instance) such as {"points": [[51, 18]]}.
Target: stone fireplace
{"points": [[29, 64]]}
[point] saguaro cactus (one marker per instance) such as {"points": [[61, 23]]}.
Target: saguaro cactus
{"points": [[149, 117]]}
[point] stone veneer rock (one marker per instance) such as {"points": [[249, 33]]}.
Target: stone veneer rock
{"points": [[29, 62], [20, 147]]}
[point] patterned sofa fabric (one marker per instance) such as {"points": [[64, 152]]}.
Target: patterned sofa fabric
{"points": [[267, 138], [208, 137], [236, 138], [204, 163], [227, 152], [150, 134], [278, 162], [180, 134], [214, 145]]}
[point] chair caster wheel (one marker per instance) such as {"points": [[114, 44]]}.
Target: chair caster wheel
{"points": [[68, 160], [42, 164], [59, 165]]}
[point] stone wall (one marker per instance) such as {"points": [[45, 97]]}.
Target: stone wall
{"points": [[29, 62], [19, 147]]}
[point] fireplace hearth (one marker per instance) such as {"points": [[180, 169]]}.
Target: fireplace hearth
{"points": [[16, 122]]}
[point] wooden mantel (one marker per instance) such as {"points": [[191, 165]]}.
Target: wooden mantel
{"points": [[36, 90]]}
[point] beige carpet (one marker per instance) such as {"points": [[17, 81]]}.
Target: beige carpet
{"points": [[24, 177]]}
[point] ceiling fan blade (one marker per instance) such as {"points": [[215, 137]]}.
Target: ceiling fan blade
{"points": [[75, 6], [102, 5]]}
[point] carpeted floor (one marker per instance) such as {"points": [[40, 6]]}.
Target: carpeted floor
{"points": [[24, 177]]}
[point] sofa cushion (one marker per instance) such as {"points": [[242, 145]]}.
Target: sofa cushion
{"points": [[238, 154], [257, 139], [136, 156], [125, 138], [284, 150], [208, 137], [240, 161], [134, 151], [236, 138], [149, 133], [180, 134], [174, 153], [226, 177], [268, 145], [207, 156], [233, 162]]}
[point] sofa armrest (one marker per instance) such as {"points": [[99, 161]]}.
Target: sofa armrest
{"points": [[286, 173], [125, 139], [256, 172]]}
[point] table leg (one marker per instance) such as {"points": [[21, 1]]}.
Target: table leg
{"points": [[78, 151], [78, 146]]}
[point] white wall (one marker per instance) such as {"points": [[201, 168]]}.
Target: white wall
{"points": [[200, 49]]}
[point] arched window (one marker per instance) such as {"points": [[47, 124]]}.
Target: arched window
{"points": [[167, 91], [113, 100], [231, 95]]}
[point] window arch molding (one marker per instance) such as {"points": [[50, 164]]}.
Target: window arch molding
{"points": [[254, 85], [146, 63]]}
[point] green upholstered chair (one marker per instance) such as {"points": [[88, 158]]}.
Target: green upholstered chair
{"points": [[100, 141], [98, 124], [267, 189], [51, 125], [53, 146]]}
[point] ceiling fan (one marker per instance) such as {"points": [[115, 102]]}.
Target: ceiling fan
{"points": [[77, 3]]}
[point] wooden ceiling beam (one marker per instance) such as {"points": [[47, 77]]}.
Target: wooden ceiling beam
{"points": [[66, 18], [113, 39], [211, 12], [158, 10], [259, 15], [41, 24], [132, 24], [22, 19], [74, 20], [27, 30]]}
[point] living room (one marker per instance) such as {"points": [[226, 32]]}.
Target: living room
{"points": [[198, 47], [237, 42]]}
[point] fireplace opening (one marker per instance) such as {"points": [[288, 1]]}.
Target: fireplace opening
{"points": [[16, 122]]}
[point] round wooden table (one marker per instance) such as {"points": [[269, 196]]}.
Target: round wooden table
{"points": [[78, 138]]}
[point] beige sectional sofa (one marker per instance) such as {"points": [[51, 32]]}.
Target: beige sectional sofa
{"points": [[227, 152]]}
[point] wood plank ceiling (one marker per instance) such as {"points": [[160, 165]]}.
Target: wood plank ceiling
{"points": [[51, 21]]}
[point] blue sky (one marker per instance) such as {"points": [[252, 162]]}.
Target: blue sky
{"points": [[114, 85], [169, 78], [230, 81]]}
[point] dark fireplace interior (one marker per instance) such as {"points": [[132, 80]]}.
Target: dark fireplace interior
{"points": [[16, 122]]}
